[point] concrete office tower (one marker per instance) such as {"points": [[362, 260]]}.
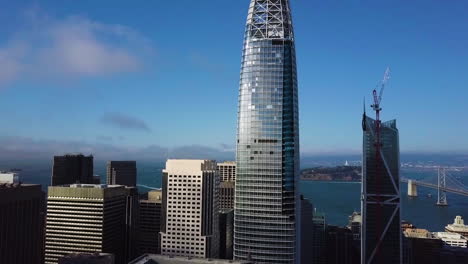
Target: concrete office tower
{"points": [[266, 216], [85, 218], [21, 224], [227, 171], [190, 209], [150, 223], [380, 204], [70, 169], [87, 258], [122, 173]]}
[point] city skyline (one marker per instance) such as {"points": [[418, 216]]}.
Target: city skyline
{"points": [[425, 57]]}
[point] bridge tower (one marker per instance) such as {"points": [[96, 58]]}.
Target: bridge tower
{"points": [[441, 195], [412, 189]]}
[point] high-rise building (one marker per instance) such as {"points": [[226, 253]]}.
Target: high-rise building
{"points": [[85, 218], [340, 246], [307, 230], [227, 171], [266, 213], [161, 259], [226, 195], [190, 209], [319, 239], [380, 204], [226, 230], [150, 223], [70, 169], [21, 223], [122, 173]]}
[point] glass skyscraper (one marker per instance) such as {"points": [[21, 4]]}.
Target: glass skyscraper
{"points": [[381, 231], [266, 193]]}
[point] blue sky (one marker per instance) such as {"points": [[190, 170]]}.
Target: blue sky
{"points": [[123, 76]]}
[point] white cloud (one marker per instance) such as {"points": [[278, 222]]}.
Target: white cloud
{"points": [[73, 47]]}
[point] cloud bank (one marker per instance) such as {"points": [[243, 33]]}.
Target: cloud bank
{"points": [[73, 47], [23, 148], [123, 121]]}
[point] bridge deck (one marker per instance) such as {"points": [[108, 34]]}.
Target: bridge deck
{"points": [[434, 186]]}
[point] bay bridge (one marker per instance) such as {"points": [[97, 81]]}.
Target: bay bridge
{"points": [[445, 183]]}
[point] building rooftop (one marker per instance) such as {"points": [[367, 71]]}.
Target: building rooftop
{"points": [[417, 233], [160, 259], [458, 226], [448, 235]]}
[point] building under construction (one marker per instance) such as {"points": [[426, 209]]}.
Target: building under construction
{"points": [[380, 200]]}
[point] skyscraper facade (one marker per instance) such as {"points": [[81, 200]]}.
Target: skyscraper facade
{"points": [[380, 232], [21, 223], [70, 169], [266, 227], [122, 173], [190, 209], [85, 218], [227, 171], [150, 223]]}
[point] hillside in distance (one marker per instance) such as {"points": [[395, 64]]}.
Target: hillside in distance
{"points": [[339, 173]]}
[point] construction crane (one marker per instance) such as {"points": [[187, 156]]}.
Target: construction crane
{"points": [[378, 99]]}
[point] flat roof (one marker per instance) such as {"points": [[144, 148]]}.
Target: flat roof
{"points": [[160, 259]]}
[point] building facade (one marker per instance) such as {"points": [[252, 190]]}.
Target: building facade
{"points": [[227, 171], [307, 230], [226, 230], [381, 234], [190, 209], [21, 223], [8, 177], [226, 195], [70, 169], [266, 210], [122, 173], [150, 223], [85, 218]]}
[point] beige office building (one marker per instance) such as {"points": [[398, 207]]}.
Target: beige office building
{"points": [[85, 218], [190, 209]]}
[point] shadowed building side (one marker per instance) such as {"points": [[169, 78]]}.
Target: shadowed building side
{"points": [[381, 232]]}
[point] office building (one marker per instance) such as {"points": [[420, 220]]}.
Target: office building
{"points": [[227, 171], [340, 245], [226, 230], [420, 246], [266, 198], [380, 203], [319, 239], [354, 224], [8, 177], [226, 195], [21, 223], [161, 259], [85, 218], [122, 173], [150, 223], [307, 230], [70, 169], [458, 227], [132, 222], [452, 239], [190, 209], [87, 258]]}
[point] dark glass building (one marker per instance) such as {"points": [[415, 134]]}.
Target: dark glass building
{"points": [[266, 224], [150, 223], [381, 232], [70, 169], [122, 173], [21, 223]]}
